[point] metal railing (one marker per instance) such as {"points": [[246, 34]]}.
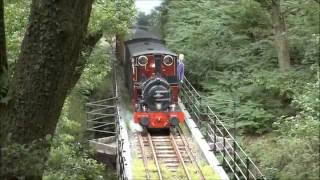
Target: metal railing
{"points": [[101, 117], [121, 161], [228, 151], [120, 158], [102, 114]]}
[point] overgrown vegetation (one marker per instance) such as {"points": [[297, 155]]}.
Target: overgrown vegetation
{"points": [[70, 156], [230, 52], [231, 56], [140, 173]]}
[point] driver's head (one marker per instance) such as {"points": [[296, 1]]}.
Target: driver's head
{"points": [[181, 57]]}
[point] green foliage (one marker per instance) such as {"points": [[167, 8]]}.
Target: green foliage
{"points": [[98, 66], [287, 158], [70, 158], [229, 52], [292, 151], [143, 19], [23, 155], [139, 171], [231, 58], [112, 16], [16, 18]]}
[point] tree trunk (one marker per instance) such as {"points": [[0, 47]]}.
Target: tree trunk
{"points": [[280, 35], [3, 58], [44, 73], [3, 52]]}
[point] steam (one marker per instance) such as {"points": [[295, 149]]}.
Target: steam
{"points": [[128, 117], [135, 127]]}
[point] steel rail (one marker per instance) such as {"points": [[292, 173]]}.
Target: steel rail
{"points": [[143, 155], [176, 148], [154, 155], [190, 154]]}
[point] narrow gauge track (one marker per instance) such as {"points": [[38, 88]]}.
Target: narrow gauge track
{"points": [[171, 149]]}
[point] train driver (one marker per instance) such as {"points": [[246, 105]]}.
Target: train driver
{"points": [[180, 69]]}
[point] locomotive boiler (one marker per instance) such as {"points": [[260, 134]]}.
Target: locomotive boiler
{"points": [[151, 77]]}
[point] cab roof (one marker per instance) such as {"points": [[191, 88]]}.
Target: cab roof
{"points": [[144, 42]]}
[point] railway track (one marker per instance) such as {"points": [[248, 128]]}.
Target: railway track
{"points": [[167, 150]]}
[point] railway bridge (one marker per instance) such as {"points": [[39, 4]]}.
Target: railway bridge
{"points": [[184, 152]]}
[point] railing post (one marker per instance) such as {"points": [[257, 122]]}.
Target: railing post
{"points": [[87, 116], [215, 137], [234, 158], [247, 168], [241, 171], [224, 149], [201, 111]]}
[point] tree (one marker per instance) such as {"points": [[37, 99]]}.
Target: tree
{"points": [[230, 45], [3, 53], [281, 40], [143, 19], [279, 31], [44, 73]]}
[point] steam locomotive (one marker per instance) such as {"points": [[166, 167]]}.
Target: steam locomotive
{"points": [[151, 77]]}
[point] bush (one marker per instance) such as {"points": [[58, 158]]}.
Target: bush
{"points": [[231, 58], [292, 150]]}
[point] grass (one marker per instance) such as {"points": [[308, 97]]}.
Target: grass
{"points": [[139, 171], [208, 172], [166, 173]]}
